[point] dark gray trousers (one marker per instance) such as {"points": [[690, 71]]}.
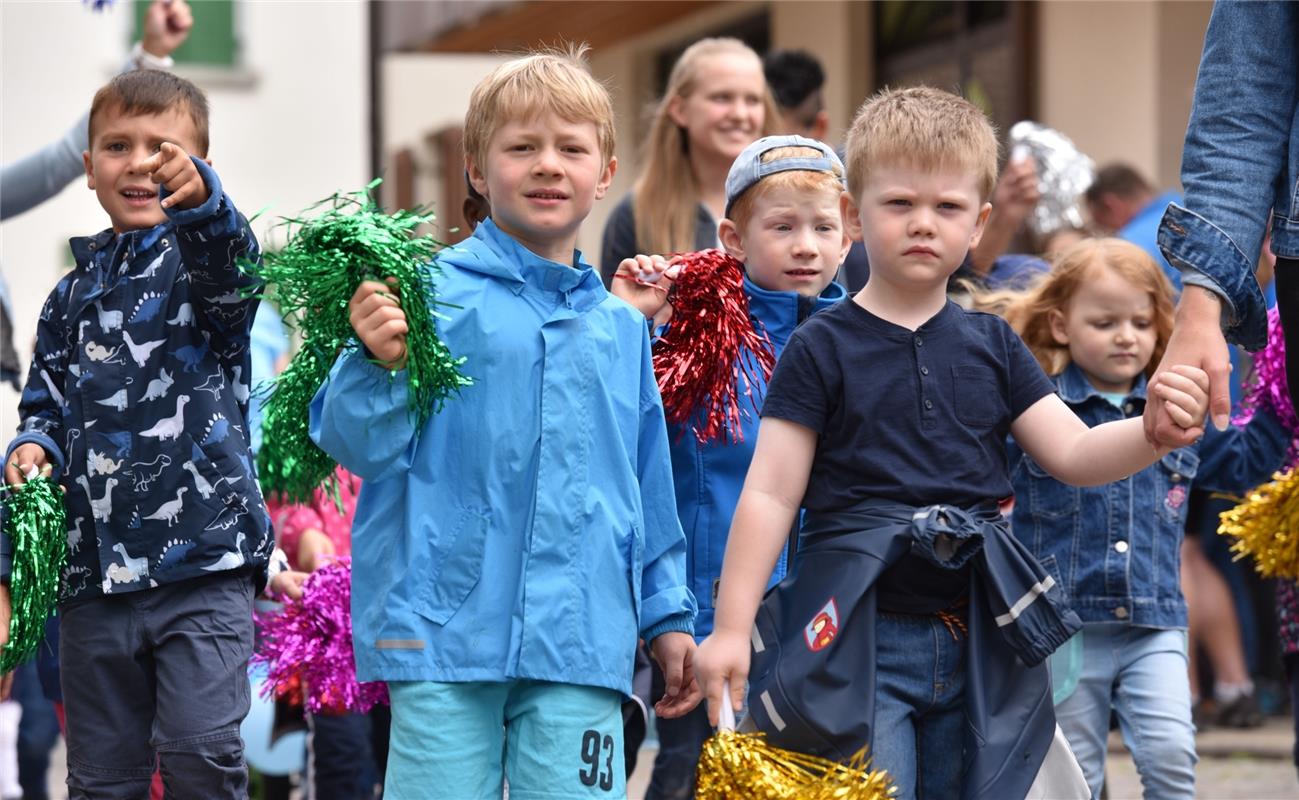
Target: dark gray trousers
{"points": [[158, 673]]}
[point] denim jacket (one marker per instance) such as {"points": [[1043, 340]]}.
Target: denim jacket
{"points": [[1116, 549], [1240, 161]]}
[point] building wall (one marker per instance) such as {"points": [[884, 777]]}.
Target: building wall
{"points": [[1118, 78], [288, 129]]}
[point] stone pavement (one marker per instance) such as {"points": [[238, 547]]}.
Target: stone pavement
{"points": [[1234, 765]]}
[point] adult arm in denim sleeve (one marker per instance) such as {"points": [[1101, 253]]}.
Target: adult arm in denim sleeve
{"points": [[212, 238], [40, 409], [666, 603], [360, 417], [1241, 458], [1234, 157]]}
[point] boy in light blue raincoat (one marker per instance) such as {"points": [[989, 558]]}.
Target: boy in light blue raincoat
{"points": [[507, 556]]}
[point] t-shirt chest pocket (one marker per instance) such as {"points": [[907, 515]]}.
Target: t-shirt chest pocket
{"points": [[977, 396]]}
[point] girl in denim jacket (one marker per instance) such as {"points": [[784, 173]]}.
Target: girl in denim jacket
{"points": [[1099, 324]]}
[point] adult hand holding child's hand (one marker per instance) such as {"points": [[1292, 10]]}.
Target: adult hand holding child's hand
{"points": [[376, 315], [1184, 392], [172, 167]]}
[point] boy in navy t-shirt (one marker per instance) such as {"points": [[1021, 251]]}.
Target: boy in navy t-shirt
{"points": [[888, 415]]}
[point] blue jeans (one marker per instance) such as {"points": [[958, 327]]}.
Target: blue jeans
{"points": [[1140, 673], [919, 704]]}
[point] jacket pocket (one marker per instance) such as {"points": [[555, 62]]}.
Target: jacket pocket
{"points": [[457, 564], [1176, 474], [977, 396], [1047, 498], [636, 569]]}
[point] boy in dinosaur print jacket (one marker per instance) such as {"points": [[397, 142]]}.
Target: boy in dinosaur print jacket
{"points": [[136, 400]]}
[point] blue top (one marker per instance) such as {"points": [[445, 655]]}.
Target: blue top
{"points": [[917, 417], [1116, 549], [138, 391], [1143, 231], [709, 476], [529, 529]]}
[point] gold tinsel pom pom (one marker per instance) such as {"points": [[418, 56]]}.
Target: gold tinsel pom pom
{"points": [[1266, 526], [743, 766]]}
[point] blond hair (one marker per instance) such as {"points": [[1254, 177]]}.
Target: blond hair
{"points": [[1029, 312], [806, 181], [924, 128], [525, 87], [666, 195]]}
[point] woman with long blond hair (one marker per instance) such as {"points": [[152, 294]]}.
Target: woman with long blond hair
{"points": [[715, 104]]}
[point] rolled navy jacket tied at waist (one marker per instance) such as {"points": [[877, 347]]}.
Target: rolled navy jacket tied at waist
{"points": [[812, 679]]}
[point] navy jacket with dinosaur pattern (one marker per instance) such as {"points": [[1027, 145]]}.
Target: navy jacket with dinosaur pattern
{"points": [[138, 390]]}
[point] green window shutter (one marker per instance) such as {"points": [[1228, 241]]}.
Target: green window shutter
{"points": [[211, 42]]}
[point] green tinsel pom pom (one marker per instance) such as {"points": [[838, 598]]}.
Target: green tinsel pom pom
{"points": [[36, 524], [313, 277]]}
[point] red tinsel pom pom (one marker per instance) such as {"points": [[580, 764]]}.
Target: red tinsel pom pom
{"points": [[307, 648], [700, 361]]}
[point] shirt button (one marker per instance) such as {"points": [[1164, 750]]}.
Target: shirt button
{"points": [[1121, 547], [920, 342], [1121, 612], [924, 370], [929, 404], [1175, 478], [1127, 408]]}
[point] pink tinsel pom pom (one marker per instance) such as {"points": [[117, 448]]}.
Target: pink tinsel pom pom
{"points": [[309, 645], [1267, 388]]}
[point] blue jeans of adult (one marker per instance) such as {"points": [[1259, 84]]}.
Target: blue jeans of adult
{"points": [[1140, 673], [920, 704]]}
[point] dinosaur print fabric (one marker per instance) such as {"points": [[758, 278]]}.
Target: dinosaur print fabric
{"points": [[138, 390]]}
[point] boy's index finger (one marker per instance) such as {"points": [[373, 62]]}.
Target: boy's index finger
{"points": [[153, 162]]}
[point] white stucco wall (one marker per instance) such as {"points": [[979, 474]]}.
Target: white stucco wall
{"points": [[289, 129]]}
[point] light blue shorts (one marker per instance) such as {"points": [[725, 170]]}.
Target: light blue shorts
{"points": [[551, 741]]}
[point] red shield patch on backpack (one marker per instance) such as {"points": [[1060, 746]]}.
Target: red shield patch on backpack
{"points": [[823, 628]]}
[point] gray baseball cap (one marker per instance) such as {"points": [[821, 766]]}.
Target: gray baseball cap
{"points": [[749, 168]]}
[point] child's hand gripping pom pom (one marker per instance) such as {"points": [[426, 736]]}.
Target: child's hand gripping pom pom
{"points": [[734, 765], [313, 277], [710, 348], [307, 647], [36, 523], [1265, 525]]}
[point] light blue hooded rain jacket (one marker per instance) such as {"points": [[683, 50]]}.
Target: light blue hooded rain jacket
{"points": [[529, 531]]}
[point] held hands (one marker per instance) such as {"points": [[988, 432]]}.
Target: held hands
{"points": [[167, 24], [1196, 342], [674, 653], [723, 657], [172, 167], [1184, 392], [376, 316], [643, 283]]}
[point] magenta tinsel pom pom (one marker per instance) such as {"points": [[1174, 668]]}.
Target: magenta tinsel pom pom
{"points": [[1267, 390], [309, 645]]}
